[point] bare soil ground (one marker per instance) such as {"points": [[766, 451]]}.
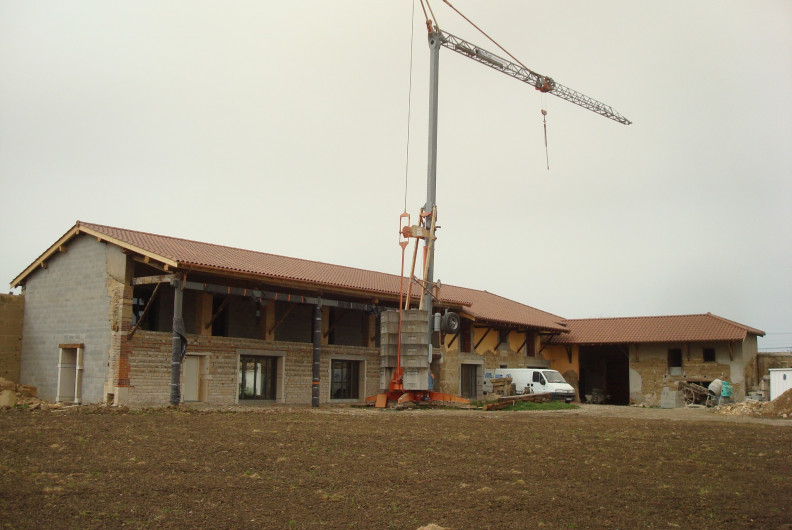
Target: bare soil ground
{"points": [[611, 467]]}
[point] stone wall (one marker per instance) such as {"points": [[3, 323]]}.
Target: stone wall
{"points": [[11, 312], [649, 368]]}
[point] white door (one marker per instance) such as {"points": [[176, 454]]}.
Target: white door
{"points": [[192, 375]]}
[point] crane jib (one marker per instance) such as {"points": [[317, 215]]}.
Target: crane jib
{"points": [[540, 82]]}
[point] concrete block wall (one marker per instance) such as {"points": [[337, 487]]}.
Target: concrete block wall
{"points": [[150, 355], [67, 303], [11, 312]]}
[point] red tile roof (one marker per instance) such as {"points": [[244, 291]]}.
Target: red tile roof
{"points": [[186, 254], [677, 328]]}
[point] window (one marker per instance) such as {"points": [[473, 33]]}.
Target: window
{"points": [[258, 377], [345, 383], [709, 355], [675, 361]]}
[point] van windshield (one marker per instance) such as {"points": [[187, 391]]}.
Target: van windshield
{"points": [[553, 377]]}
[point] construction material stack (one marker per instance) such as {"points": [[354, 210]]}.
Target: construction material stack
{"points": [[414, 349]]}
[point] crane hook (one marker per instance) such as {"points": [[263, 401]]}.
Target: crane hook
{"points": [[544, 122]]}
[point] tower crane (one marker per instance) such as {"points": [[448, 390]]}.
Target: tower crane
{"points": [[426, 230], [439, 38]]}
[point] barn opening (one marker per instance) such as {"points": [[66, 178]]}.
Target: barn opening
{"points": [[605, 374]]}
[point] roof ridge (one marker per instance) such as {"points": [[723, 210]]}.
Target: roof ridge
{"points": [[640, 317]]}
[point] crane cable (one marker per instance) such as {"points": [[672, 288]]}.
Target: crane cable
{"points": [[409, 106], [544, 124], [504, 50], [429, 21]]}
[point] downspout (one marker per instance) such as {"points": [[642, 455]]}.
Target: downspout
{"points": [[317, 350], [179, 348]]}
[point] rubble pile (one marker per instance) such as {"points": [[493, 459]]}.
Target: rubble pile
{"points": [[17, 395], [780, 407]]}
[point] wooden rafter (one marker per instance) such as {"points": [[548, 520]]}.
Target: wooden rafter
{"points": [[145, 312], [217, 313]]}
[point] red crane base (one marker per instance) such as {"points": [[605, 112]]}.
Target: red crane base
{"points": [[413, 396]]}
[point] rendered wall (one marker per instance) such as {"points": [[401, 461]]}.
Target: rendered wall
{"points": [[11, 313], [69, 302]]}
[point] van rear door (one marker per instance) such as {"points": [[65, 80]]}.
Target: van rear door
{"points": [[538, 383]]}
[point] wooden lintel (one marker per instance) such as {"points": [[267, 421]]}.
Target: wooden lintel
{"points": [[72, 346], [147, 280]]}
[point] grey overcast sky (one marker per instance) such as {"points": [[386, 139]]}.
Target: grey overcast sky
{"points": [[282, 127]]}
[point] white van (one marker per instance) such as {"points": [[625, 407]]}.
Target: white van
{"points": [[536, 380]]}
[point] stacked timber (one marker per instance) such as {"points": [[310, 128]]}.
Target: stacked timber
{"points": [[503, 386], [508, 401], [414, 348]]}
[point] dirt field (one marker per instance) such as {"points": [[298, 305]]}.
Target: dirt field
{"points": [[616, 467]]}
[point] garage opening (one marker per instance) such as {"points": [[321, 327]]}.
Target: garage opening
{"points": [[605, 375]]}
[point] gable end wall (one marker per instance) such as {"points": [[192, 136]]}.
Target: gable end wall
{"points": [[68, 303]]}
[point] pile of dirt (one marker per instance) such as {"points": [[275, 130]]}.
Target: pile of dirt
{"points": [[780, 407], [17, 395]]}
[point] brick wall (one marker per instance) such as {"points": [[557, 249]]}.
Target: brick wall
{"points": [[150, 355], [11, 311]]}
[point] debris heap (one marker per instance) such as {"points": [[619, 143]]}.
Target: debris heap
{"points": [[780, 407], [17, 395]]}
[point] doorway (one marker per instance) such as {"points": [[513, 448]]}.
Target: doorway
{"points": [[192, 378], [470, 381]]}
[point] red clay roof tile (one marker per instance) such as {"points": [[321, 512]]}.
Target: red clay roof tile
{"points": [[676, 328], [479, 304]]}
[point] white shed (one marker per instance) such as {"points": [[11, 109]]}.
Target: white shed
{"points": [[780, 381]]}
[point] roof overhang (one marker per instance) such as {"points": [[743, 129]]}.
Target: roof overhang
{"points": [[60, 246]]}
